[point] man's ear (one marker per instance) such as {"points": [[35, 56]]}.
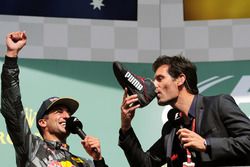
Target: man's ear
{"points": [[42, 123], [181, 79]]}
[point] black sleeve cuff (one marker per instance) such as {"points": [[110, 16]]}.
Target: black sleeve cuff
{"points": [[10, 61], [123, 136], [100, 163]]}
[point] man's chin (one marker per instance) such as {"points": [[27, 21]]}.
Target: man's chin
{"points": [[65, 134], [162, 103], [165, 102]]}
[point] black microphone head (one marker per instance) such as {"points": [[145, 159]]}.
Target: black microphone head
{"points": [[174, 117], [73, 124]]}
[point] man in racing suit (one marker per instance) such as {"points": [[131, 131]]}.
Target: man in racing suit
{"points": [[31, 150]]}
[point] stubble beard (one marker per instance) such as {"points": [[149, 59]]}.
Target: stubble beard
{"points": [[166, 102]]}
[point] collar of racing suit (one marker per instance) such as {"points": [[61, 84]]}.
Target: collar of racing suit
{"points": [[57, 145]]}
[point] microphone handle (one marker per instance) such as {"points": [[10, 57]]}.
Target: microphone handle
{"points": [[82, 135]]}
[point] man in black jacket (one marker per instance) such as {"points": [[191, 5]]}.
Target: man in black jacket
{"points": [[213, 131], [31, 150]]}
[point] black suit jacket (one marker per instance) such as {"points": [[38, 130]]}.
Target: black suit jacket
{"points": [[218, 119]]}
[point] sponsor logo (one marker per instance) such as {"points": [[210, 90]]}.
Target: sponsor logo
{"points": [[61, 164], [133, 81], [53, 99]]}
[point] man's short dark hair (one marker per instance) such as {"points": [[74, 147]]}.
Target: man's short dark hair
{"points": [[179, 65]]}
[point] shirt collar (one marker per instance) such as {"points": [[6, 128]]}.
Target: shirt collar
{"points": [[191, 112]]}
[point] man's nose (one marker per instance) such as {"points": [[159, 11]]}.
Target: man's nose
{"points": [[66, 114], [156, 86], [155, 83]]}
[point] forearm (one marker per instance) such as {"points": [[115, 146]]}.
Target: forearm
{"points": [[10, 72], [230, 147], [10, 94], [134, 153], [237, 142]]}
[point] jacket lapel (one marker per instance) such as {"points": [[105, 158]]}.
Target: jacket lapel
{"points": [[199, 113], [168, 142]]}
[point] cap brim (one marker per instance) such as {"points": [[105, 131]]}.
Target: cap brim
{"points": [[70, 103]]}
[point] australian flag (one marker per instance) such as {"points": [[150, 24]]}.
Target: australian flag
{"points": [[91, 9]]}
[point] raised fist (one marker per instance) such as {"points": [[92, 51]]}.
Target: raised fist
{"points": [[15, 41]]}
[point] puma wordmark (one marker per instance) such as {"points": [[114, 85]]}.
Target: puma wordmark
{"points": [[135, 84]]}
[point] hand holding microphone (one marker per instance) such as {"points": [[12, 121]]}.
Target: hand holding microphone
{"points": [[91, 144], [188, 138]]}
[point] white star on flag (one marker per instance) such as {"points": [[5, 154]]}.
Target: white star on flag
{"points": [[97, 4]]}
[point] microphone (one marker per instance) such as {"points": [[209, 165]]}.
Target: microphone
{"points": [[175, 118], [74, 125]]}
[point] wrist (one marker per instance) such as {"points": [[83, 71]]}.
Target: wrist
{"points": [[12, 53], [207, 146], [125, 129], [125, 126]]}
